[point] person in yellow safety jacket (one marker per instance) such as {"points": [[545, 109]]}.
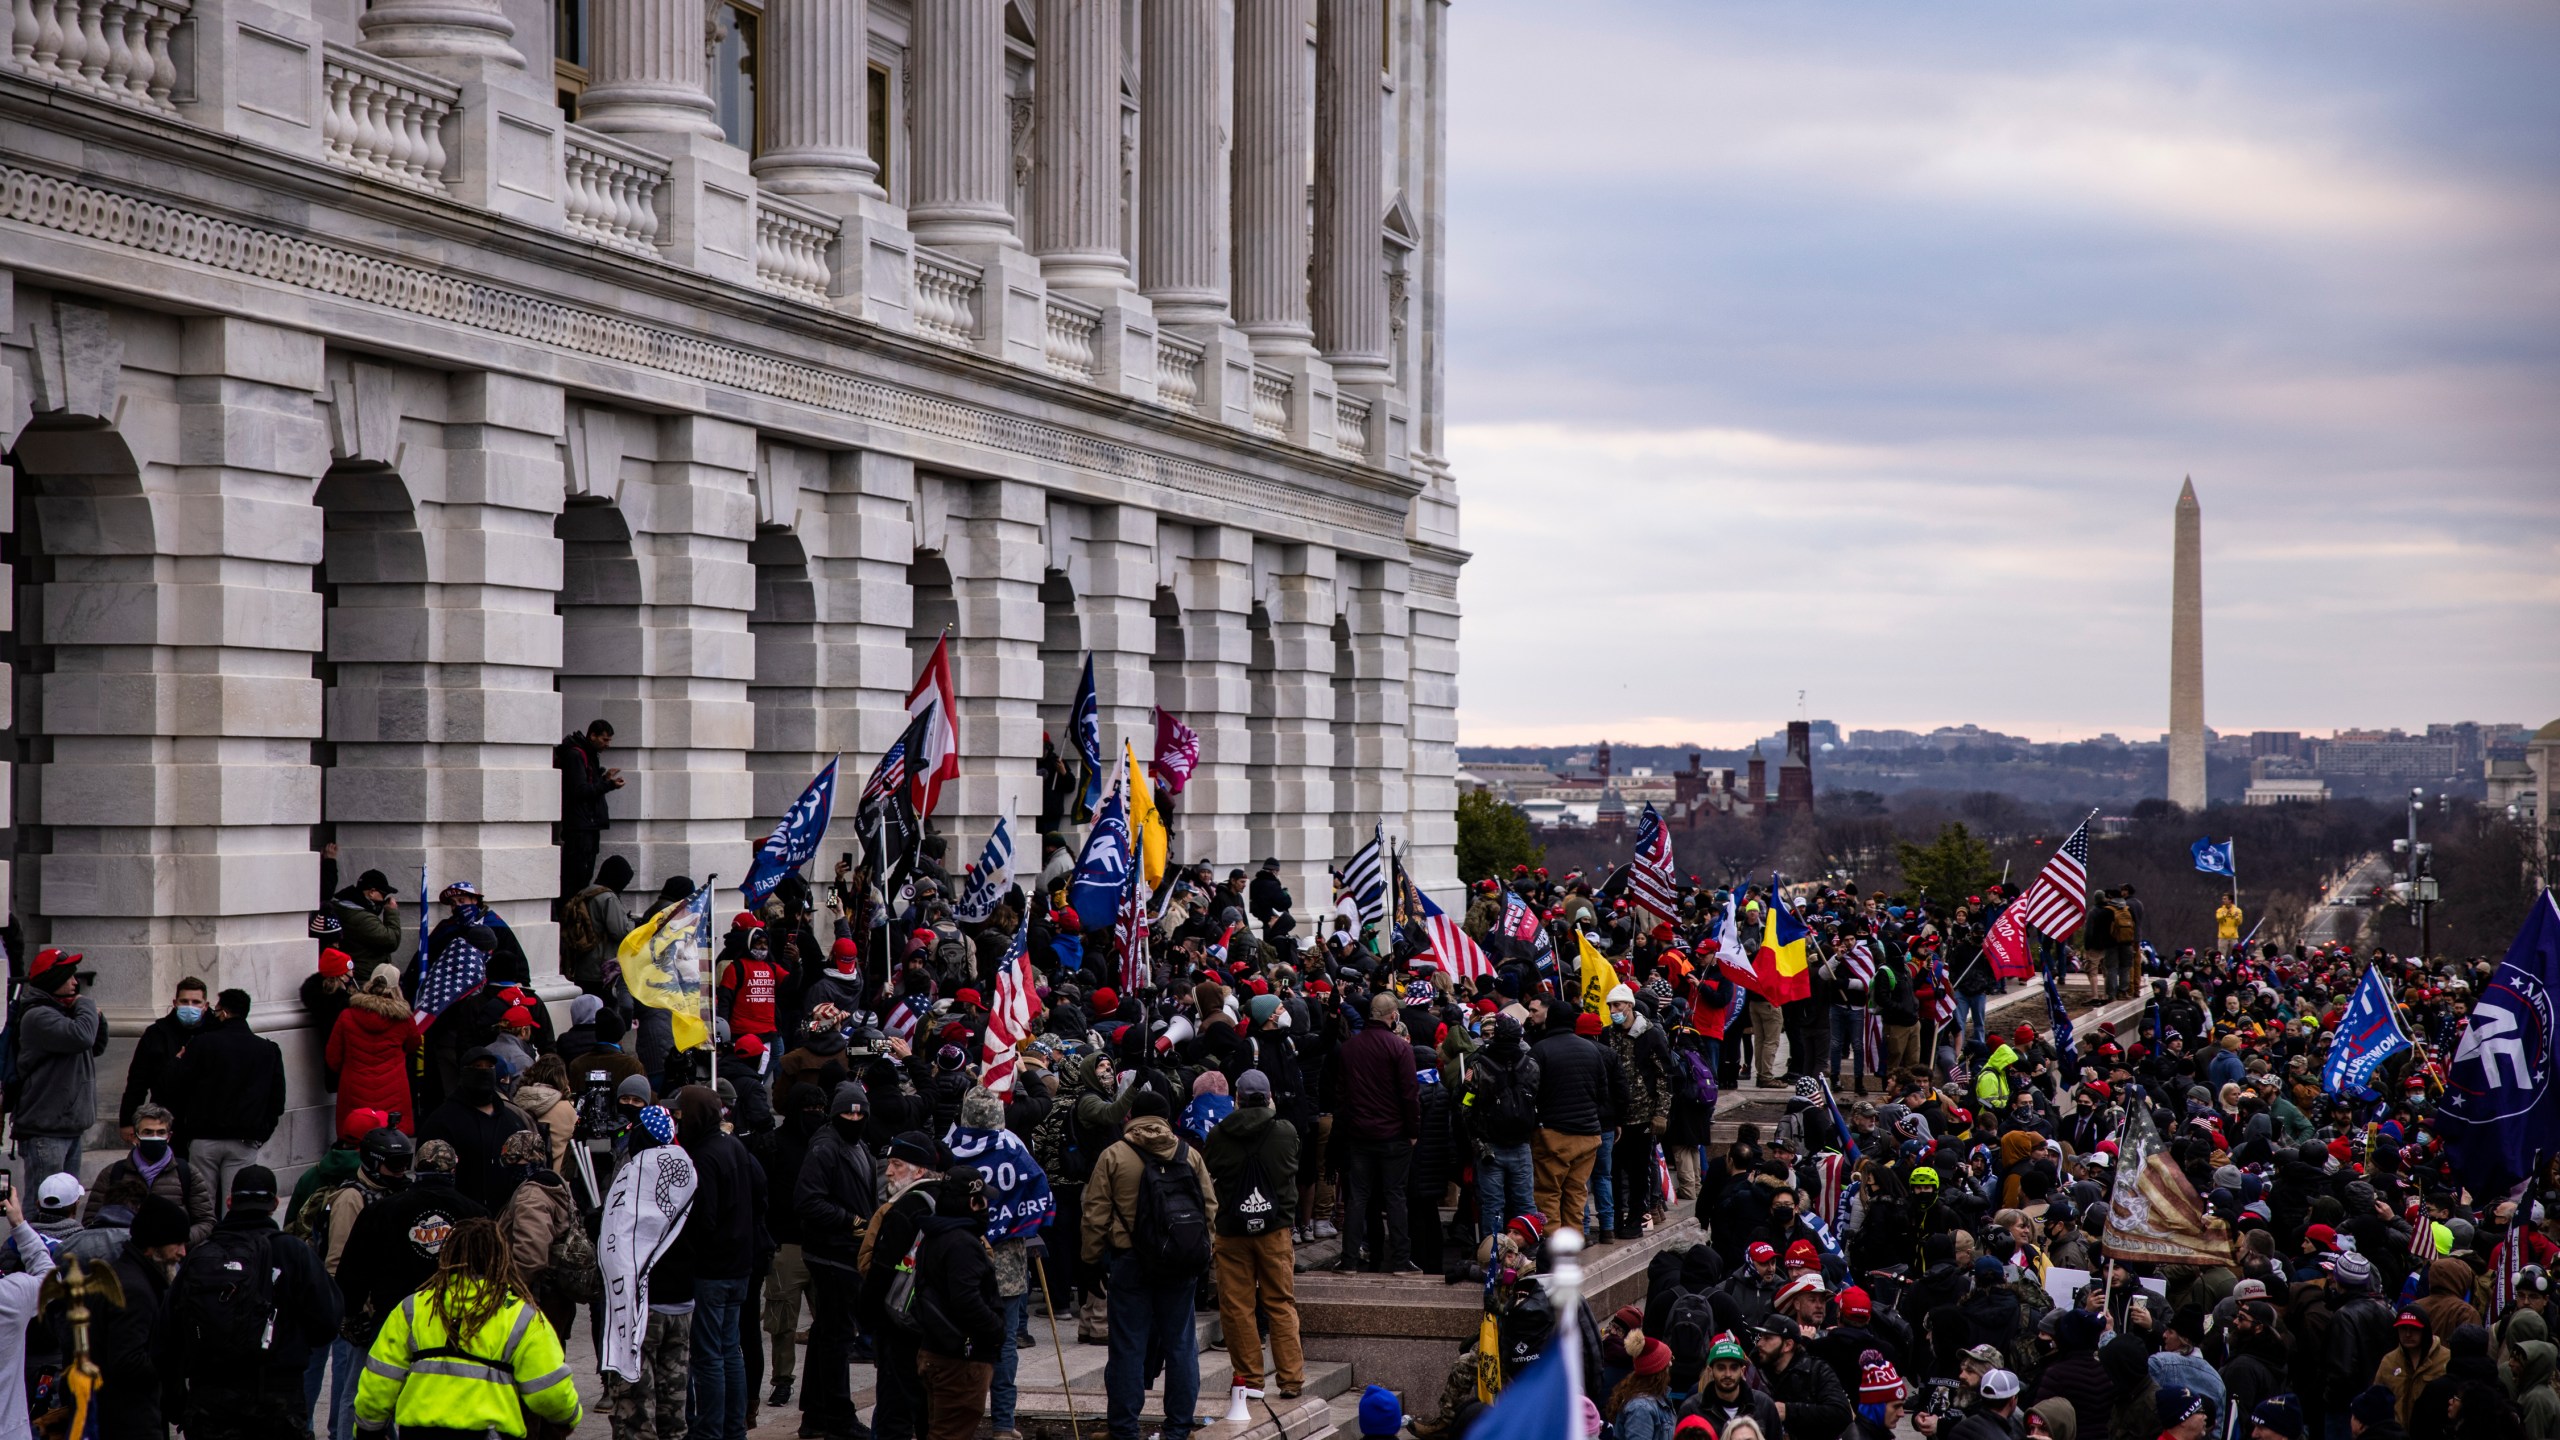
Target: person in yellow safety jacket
{"points": [[1994, 1086], [468, 1353]]}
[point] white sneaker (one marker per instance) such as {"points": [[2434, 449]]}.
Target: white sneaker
{"points": [[1325, 1230]]}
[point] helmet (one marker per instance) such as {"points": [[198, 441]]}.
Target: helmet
{"points": [[385, 1154]]}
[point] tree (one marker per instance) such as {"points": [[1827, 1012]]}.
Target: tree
{"points": [[1493, 837], [1950, 867]]}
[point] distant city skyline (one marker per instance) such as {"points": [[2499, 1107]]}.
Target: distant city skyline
{"points": [[1737, 735]]}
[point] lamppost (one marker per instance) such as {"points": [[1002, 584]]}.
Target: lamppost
{"points": [[2418, 883]]}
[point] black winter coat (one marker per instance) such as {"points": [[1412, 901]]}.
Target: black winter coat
{"points": [[386, 1257], [1253, 1132], [146, 1078], [1580, 1090], [725, 1232], [1435, 1148], [1817, 1408], [230, 1081], [832, 1197], [956, 1301], [306, 1316], [126, 1343], [897, 1228]]}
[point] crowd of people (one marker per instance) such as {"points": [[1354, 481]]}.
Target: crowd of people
{"points": [[1176, 1137]]}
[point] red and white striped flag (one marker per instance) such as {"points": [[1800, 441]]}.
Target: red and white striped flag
{"points": [[1861, 962], [1872, 1043], [1651, 881], [2058, 903], [1009, 1018], [1130, 930], [1942, 996], [2506, 1268], [1458, 953], [938, 758], [1830, 1169]]}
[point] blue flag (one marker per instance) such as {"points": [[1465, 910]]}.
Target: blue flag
{"points": [[2368, 1034], [2499, 1114], [1543, 1402], [988, 879], [795, 840], [1018, 1198], [1102, 871], [1084, 726], [2215, 859]]}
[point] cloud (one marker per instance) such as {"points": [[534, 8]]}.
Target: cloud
{"points": [[1860, 348]]}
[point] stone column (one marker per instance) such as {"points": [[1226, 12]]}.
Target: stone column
{"points": [[503, 147], [649, 71], [1293, 784], [1379, 692], [1075, 185], [1350, 276], [1120, 625], [1431, 690], [1214, 583], [819, 66], [437, 33], [1271, 176], [1182, 256], [962, 170], [993, 547]]}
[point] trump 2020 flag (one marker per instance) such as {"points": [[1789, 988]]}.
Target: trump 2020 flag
{"points": [[989, 878], [2499, 1115], [2215, 859], [795, 840], [2368, 1034], [1102, 871]]}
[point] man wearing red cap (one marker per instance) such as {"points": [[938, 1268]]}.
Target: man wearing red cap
{"points": [[60, 1034]]}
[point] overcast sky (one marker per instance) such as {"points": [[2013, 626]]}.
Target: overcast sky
{"points": [[1859, 349]]}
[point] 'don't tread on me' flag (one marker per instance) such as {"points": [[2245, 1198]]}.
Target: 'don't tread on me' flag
{"points": [[665, 965]]}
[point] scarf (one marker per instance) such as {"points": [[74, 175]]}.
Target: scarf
{"points": [[1018, 1198], [149, 1172], [643, 1214]]}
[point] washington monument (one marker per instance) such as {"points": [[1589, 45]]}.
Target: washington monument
{"points": [[2186, 656]]}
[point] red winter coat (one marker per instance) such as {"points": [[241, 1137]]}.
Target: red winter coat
{"points": [[370, 1051]]}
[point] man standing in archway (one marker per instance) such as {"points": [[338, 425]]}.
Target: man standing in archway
{"points": [[585, 782]]}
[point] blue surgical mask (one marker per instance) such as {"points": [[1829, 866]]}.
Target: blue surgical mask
{"points": [[190, 1014]]}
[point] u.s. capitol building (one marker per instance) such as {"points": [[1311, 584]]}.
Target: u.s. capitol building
{"points": [[390, 390]]}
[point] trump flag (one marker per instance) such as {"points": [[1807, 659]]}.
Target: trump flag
{"points": [[2499, 1115], [2368, 1034]]}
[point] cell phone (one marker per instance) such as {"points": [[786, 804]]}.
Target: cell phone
{"points": [[5, 1185], [848, 859]]}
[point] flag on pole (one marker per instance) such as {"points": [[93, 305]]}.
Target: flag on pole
{"points": [[1177, 751], [988, 879], [1146, 823], [1103, 871], [1651, 881], [2007, 944], [937, 758], [2155, 1216], [1781, 956], [2055, 1012], [2056, 904], [1542, 1402], [2366, 1035], [1129, 927], [665, 965], [885, 817], [2500, 1111], [1084, 727], [1942, 996], [2215, 859], [1009, 1017], [795, 838], [1741, 962], [1830, 1172], [1364, 878], [1458, 953], [460, 970], [1599, 977]]}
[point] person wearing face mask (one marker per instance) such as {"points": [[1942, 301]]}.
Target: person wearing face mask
{"points": [[915, 1175], [123, 1338], [964, 1322], [233, 1081], [833, 1198], [476, 1123], [153, 1165], [158, 1045], [538, 1211], [60, 1034], [782, 1152]]}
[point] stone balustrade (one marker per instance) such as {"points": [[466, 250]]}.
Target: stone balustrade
{"points": [[1270, 402], [947, 293], [1351, 427], [792, 241], [385, 120], [612, 190], [115, 50], [1073, 327], [1178, 371]]}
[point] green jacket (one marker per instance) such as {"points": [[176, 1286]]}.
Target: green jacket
{"points": [[1993, 1087]]}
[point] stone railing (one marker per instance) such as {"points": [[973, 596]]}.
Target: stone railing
{"points": [[1270, 402], [612, 191], [115, 50], [1351, 427], [1072, 328], [384, 119], [792, 241], [1178, 371], [947, 291]]}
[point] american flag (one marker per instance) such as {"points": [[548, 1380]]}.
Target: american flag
{"points": [[2506, 1267], [890, 773], [2422, 1232], [1861, 962], [1651, 881], [1130, 929], [1871, 1041], [460, 969], [1942, 996], [1831, 1170], [2057, 904], [1364, 878], [901, 1019], [1456, 950], [1009, 1018]]}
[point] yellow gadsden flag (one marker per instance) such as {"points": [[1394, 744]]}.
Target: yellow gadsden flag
{"points": [[665, 963], [1146, 823], [1598, 978]]}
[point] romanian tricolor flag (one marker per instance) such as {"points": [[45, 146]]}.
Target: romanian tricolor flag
{"points": [[1781, 958]]}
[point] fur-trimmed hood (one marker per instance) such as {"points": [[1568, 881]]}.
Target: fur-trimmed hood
{"points": [[389, 1007]]}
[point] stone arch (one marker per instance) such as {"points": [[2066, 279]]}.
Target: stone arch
{"points": [[82, 535], [1262, 731], [376, 751], [1062, 652], [1350, 829]]}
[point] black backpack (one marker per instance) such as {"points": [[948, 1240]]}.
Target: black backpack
{"points": [[1172, 1217], [1503, 1111], [1255, 1210], [1693, 1329], [223, 1303]]}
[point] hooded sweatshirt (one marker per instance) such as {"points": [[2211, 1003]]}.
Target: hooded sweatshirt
{"points": [[1994, 1086], [1111, 1194], [2448, 1280], [2535, 1400]]}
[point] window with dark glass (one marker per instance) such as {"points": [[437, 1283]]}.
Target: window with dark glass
{"points": [[736, 70]]}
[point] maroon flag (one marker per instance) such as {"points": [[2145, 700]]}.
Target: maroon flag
{"points": [[2006, 946], [1177, 751]]}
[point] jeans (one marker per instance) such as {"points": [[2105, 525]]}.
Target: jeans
{"points": [[1602, 1210], [217, 1161], [719, 1374], [1975, 1013], [826, 1395], [1157, 1318], [1848, 1041], [1711, 1054], [46, 1157], [1503, 1185], [347, 1364], [1373, 1171], [1001, 1392]]}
